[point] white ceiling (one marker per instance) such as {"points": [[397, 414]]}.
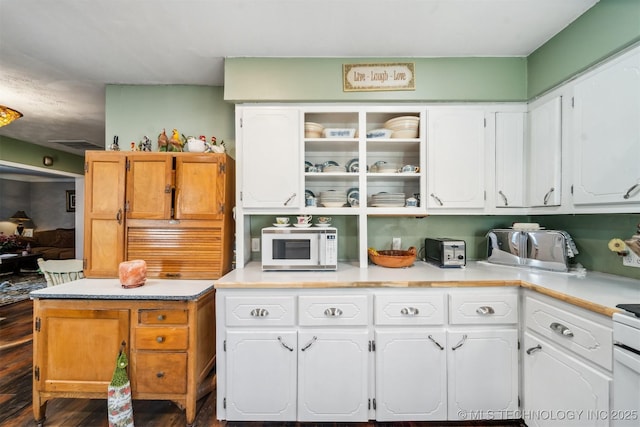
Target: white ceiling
{"points": [[57, 56]]}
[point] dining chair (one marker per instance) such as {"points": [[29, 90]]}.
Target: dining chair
{"points": [[61, 271]]}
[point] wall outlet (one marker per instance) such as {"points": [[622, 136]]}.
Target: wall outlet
{"points": [[396, 243], [631, 260], [255, 244]]}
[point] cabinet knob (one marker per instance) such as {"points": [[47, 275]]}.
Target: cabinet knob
{"points": [[259, 312], [160, 374], [161, 317], [410, 311], [485, 310], [333, 312], [160, 339]]}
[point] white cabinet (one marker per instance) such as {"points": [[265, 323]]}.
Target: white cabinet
{"points": [[510, 188], [269, 169], [456, 158], [606, 135], [544, 152], [567, 362]]}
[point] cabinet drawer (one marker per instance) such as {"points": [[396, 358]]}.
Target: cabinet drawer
{"points": [[162, 338], [160, 373], [318, 310], [570, 329], [162, 317], [480, 307], [260, 310], [409, 309]]}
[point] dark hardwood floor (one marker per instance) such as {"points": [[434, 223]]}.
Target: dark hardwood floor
{"points": [[16, 358]]}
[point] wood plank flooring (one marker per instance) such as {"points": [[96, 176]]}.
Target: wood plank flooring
{"points": [[16, 358]]}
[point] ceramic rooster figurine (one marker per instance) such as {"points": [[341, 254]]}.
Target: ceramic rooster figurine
{"points": [[175, 143], [163, 141]]}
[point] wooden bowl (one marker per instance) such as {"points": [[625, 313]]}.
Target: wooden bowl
{"points": [[393, 258]]}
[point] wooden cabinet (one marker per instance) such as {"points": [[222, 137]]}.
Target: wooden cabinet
{"points": [[606, 135], [170, 346], [172, 210]]}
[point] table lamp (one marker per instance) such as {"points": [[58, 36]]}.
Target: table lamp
{"points": [[20, 217]]}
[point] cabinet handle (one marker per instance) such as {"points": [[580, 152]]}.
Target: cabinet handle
{"points": [[435, 342], [162, 317], [160, 339], [485, 310], [560, 329], [410, 311], [457, 346], [506, 202], [547, 196], [174, 274], [167, 188], [333, 312], [310, 343], [119, 216], [628, 193], [284, 345], [259, 312], [534, 349], [437, 199], [290, 199], [160, 374]]}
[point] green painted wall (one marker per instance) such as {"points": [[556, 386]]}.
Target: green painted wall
{"points": [[133, 111], [606, 28], [16, 151], [320, 80]]}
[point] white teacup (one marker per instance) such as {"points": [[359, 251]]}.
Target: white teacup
{"points": [[304, 219], [409, 168], [412, 202], [324, 220], [282, 220]]}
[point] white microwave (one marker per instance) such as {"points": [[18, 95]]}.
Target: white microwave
{"points": [[286, 248]]}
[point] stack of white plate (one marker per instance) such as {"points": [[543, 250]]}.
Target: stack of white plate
{"points": [[332, 198], [387, 200]]}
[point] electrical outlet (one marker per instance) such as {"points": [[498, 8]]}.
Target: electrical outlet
{"points": [[255, 244], [396, 243], [631, 260]]}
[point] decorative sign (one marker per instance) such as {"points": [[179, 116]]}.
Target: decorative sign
{"points": [[370, 77]]}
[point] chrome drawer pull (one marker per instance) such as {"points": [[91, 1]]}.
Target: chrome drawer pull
{"points": [[333, 312], [160, 339], [435, 342], [259, 312], [284, 345], [310, 343], [410, 311], [534, 349], [457, 346], [560, 329], [484, 310]]}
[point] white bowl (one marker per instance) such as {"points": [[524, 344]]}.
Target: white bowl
{"points": [[405, 133], [403, 122], [313, 130]]}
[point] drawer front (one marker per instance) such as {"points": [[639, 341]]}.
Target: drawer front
{"points": [[409, 309], [484, 308], [326, 310], [160, 373], [166, 338], [163, 317], [260, 310], [583, 336]]}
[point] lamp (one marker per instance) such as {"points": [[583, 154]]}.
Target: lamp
{"points": [[7, 115], [19, 217]]}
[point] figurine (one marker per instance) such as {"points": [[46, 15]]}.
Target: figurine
{"points": [[115, 146], [163, 141], [145, 144], [175, 143]]}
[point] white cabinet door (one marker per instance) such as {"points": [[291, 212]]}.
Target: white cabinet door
{"points": [[261, 375], [269, 146], [333, 375], [606, 136], [483, 373], [560, 390], [455, 158], [544, 153], [411, 374], [510, 161]]}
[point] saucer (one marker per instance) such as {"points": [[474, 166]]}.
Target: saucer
{"points": [[323, 225], [282, 225], [302, 225]]}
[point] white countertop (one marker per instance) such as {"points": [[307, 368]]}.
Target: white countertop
{"points": [[597, 291], [160, 289]]}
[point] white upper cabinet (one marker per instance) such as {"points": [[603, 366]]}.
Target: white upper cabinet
{"points": [[544, 153], [606, 137], [455, 158], [510, 160], [269, 149]]}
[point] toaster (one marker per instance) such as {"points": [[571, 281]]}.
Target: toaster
{"points": [[445, 252]]}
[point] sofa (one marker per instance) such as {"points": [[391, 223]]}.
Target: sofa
{"points": [[52, 244]]}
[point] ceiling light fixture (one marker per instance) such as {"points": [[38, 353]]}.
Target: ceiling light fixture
{"points": [[7, 115]]}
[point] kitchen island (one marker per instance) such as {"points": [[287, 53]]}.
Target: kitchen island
{"points": [[167, 328], [419, 343]]}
